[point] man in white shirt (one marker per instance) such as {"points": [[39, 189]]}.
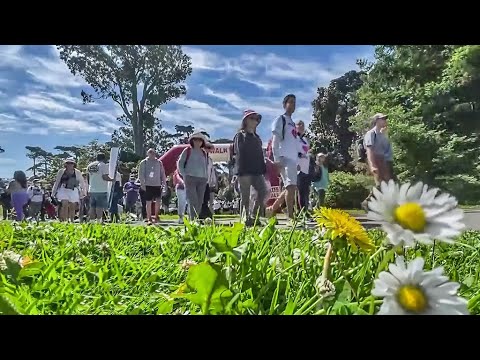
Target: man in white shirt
{"points": [[98, 179], [285, 148], [303, 177], [35, 194]]}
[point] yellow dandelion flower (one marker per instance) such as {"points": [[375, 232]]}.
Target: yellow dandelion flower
{"points": [[26, 260], [340, 224]]}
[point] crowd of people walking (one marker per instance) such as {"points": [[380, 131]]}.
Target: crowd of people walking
{"points": [[86, 195]]}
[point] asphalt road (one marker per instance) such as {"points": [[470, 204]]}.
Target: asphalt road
{"points": [[472, 221]]}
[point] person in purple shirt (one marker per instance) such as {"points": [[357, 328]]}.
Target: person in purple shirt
{"points": [[131, 190]]}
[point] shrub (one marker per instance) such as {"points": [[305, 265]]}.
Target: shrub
{"points": [[465, 188], [347, 191]]}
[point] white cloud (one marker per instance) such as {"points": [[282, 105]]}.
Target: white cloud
{"points": [[269, 107], [50, 71], [199, 114], [266, 70], [43, 107], [64, 125], [39, 102], [7, 122], [10, 56], [47, 102], [203, 60]]}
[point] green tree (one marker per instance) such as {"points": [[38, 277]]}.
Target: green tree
{"points": [[35, 153], [88, 153], [70, 151], [155, 137], [139, 78], [431, 94], [332, 110]]}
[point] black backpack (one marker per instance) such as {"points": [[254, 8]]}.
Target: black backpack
{"points": [[361, 150]]}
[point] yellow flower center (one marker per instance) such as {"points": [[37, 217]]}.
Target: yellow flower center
{"points": [[412, 299], [411, 216]]}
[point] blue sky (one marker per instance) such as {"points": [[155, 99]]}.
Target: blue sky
{"points": [[40, 103]]}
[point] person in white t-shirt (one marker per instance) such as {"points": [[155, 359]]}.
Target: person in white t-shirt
{"points": [[98, 179], [303, 177], [35, 194], [285, 148]]}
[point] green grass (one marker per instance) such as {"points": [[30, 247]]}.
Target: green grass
{"points": [[122, 269]]}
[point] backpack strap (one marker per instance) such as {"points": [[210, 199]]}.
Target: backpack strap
{"points": [[284, 123], [189, 151]]}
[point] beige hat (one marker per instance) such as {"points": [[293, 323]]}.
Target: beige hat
{"points": [[198, 135], [69, 160], [379, 116]]}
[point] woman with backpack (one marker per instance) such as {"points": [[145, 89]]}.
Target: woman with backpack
{"points": [[69, 187], [192, 166], [17, 188], [249, 165]]}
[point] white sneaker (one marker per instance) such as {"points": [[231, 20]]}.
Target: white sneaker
{"points": [[180, 221]]}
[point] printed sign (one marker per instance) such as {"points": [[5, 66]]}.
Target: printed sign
{"points": [[220, 153], [275, 192]]}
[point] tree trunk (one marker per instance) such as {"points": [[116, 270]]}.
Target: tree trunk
{"points": [[137, 125], [138, 141]]}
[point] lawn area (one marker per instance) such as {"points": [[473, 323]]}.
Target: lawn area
{"points": [[121, 269]]}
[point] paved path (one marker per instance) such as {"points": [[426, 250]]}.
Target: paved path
{"points": [[472, 221]]}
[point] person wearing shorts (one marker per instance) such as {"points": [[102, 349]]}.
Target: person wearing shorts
{"points": [[35, 194], [98, 178], [286, 150], [152, 180], [69, 187]]}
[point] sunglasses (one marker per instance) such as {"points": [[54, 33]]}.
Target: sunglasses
{"points": [[70, 163], [256, 118]]}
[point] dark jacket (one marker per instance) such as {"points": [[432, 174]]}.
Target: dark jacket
{"points": [[248, 154]]}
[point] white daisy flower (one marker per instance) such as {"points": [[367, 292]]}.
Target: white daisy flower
{"points": [[408, 290], [298, 254], [276, 262], [415, 213], [187, 264]]}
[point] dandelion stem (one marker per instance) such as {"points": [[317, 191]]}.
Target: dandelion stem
{"points": [[433, 254], [326, 261]]}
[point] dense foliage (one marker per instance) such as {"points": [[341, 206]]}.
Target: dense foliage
{"points": [[332, 109], [432, 95], [120, 269], [347, 191]]}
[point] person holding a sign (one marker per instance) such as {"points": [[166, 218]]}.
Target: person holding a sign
{"points": [[249, 165], [152, 179], [98, 178]]}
